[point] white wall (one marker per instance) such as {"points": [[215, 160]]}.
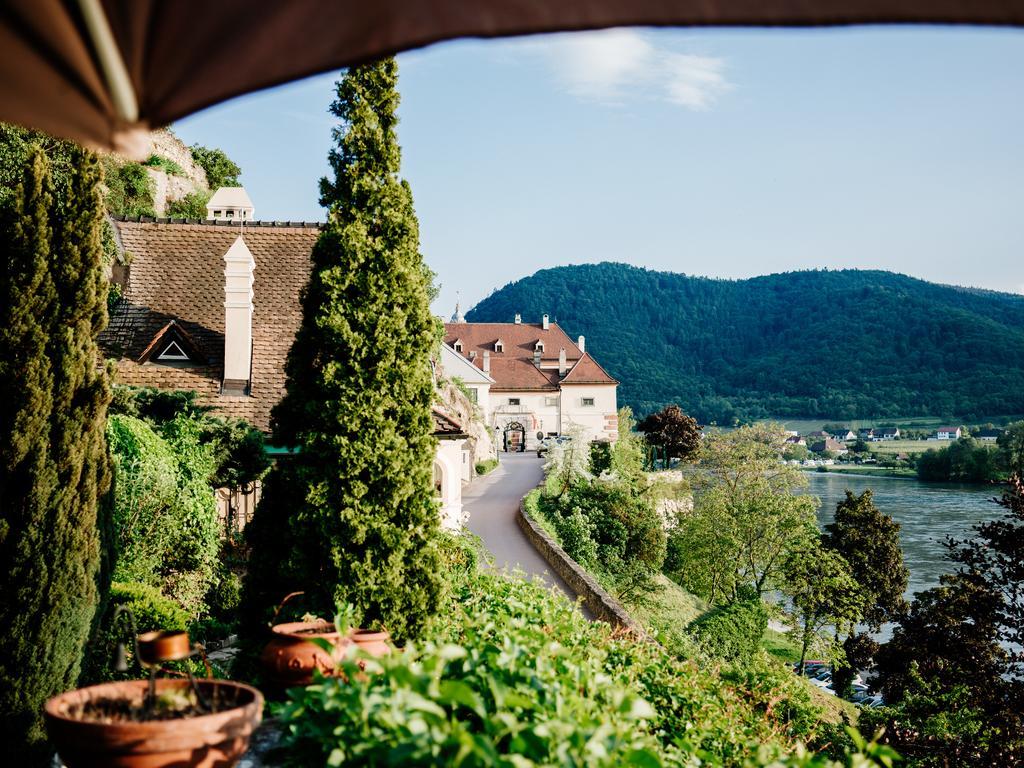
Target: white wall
{"points": [[600, 421], [448, 460]]}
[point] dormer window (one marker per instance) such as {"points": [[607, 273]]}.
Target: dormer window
{"points": [[499, 346], [539, 346], [457, 346], [472, 354], [172, 346]]}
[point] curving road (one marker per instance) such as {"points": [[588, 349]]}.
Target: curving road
{"points": [[492, 503]]}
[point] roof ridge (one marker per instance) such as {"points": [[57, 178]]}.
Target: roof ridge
{"points": [[220, 223]]}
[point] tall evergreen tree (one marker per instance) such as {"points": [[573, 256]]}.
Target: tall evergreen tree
{"points": [[358, 496], [53, 458]]}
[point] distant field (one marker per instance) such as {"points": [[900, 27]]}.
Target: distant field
{"points": [[908, 446], [903, 422]]}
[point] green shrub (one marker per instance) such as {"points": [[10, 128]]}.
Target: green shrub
{"points": [[150, 609], [164, 164], [486, 466], [130, 189], [514, 676], [191, 206], [732, 631]]}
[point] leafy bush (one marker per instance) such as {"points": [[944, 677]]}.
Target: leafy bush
{"points": [[732, 631], [219, 168], [191, 206], [164, 164], [486, 466], [130, 189], [514, 676], [150, 609], [165, 515]]}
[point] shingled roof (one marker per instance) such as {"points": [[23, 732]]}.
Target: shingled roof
{"points": [[176, 272], [519, 340], [588, 371]]}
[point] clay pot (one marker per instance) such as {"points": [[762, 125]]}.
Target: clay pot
{"points": [[163, 645], [290, 659], [216, 740], [374, 643]]}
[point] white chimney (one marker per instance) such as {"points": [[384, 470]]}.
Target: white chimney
{"points": [[238, 282], [519, 319], [545, 322], [487, 362], [581, 342], [561, 362]]}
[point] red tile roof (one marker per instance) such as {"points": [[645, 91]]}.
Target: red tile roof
{"points": [[588, 371], [445, 426], [519, 340], [519, 375]]}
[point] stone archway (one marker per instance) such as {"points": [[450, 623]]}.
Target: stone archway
{"points": [[514, 437]]}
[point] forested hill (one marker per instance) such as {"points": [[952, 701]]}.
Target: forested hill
{"points": [[844, 344]]}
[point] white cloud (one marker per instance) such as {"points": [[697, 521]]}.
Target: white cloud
{"points": [[614, 66]]}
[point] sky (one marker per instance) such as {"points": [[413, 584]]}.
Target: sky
{"points": [[725, 153]]}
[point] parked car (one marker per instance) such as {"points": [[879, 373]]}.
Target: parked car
{"points": [[544, 445]]}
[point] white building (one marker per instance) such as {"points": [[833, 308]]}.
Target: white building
{"points": [[947, 433], [230, 204], [538, 381]]}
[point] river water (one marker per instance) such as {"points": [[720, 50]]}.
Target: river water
{"points": [[927, 514]]}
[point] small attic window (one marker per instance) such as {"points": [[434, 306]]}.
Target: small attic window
{"points": [[499, 346], [539, 346], [472, 354], [457, 346], [173, 353]]}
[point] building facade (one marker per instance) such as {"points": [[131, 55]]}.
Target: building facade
{"points": [[538, 381]]}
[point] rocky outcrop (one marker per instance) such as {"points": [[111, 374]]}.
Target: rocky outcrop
{"points": [[171, 186]]}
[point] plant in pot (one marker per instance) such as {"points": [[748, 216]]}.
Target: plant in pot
{"points": [[299, 649], [155, 722]]}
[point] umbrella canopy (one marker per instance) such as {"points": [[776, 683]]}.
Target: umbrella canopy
{"points": [[103, 72]]}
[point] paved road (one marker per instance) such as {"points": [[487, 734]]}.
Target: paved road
{"points": [[493, 503]]}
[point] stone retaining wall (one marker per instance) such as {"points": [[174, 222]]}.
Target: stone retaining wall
{"points": [[602, 605]]}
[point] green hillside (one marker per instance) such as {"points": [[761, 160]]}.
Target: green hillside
{"points": [[846, 344]]}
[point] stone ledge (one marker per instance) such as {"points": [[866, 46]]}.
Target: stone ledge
{"points": [[602, 605]]}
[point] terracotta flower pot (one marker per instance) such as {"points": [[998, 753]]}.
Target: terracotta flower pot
{"points": [[290, 659], [216, 740], [374, 643]]}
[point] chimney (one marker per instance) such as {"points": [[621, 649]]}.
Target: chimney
{"points": [[238, 282], [536, 357], [561, 362], [545, 322], [581, 342], [487, 362], [519, 319]]}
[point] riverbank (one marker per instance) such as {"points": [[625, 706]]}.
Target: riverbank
{"points": [[839, 469]]}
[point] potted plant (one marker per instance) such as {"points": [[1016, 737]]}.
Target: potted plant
{"points": [[150, 723]]}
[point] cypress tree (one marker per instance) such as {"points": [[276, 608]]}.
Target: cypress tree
{"points": [[357, 499], [53, 459]]}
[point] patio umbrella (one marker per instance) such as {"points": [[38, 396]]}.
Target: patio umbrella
{"points": [[103, 72]]}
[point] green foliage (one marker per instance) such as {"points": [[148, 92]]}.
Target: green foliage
{"points": [[823, 592], [150, 609], [954, 668], [965, 461], [191, 206], [486, 466], [600, 456], [54, 468], [164, 164], [219, 168], [1011, 444], [738, 349], [358, 496], [165, 514], [746, 516], [732, 631], [515, 676], [869, 541], [129, 188], [677, 434]]}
